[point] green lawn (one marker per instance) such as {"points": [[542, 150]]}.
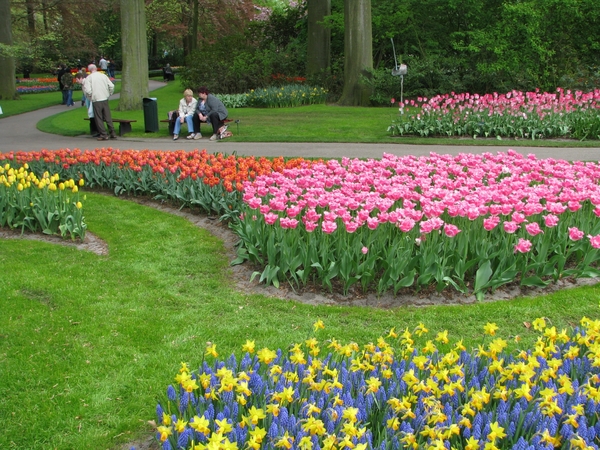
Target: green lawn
{"points": [[33, 102], [316, 123], [88, 342]]}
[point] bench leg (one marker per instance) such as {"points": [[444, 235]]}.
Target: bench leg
{"points": [[124, 127]]}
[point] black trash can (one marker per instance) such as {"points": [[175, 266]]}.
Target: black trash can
{"points": [[150, 114]]}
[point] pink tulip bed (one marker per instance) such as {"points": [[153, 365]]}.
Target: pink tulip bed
{"points": [[470, 222], [466, 223], [527, 115]]}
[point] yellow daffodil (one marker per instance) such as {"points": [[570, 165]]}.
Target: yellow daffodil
{"points": [[490, 329], [266, 356], [248, 346], [211, 350], [318, 325]]}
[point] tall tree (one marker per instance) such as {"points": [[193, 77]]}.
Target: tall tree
{"points": [[134, 76], [358, 52], [318, 51], [7, 62]]}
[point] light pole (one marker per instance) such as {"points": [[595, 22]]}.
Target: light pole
{"points": [[399, 70]]}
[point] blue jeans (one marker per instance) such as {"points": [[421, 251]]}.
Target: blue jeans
{"points": [[64, 94], [69, 101], [190, 124]]}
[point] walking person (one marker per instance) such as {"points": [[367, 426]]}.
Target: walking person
{"points": [[111, 68], [103, 63], [98, 88], [67, 82], [214, 112]]}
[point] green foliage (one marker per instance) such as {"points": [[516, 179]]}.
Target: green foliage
{"points": [[248, 60], [286, 96], [232, 101]]}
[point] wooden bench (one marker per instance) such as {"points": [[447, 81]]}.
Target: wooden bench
{"points": [[167, 121], [124, 125], [172, 123]]}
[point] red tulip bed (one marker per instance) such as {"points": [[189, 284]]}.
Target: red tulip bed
{"points": [[471, 223]]}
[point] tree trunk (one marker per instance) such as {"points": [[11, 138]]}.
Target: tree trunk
{"points": [[358, 52], [30, 18], [319, 38], [194, 31], [8, 89], [134, 76]]}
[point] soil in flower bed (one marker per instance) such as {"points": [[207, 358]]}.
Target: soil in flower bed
{"points": [[90, 243], [311, 294]]}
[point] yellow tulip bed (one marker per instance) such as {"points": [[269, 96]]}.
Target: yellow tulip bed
{"points": [[44, 204]]}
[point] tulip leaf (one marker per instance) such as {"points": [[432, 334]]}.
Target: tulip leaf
{"points": [[483, 275], [534, 281]]}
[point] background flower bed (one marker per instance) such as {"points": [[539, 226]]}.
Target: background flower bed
{"points": [[36, 85], [528, 115], [391, 394], [470, 223]]}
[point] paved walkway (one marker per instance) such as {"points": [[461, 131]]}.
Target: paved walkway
{"points": [[20, 133]]}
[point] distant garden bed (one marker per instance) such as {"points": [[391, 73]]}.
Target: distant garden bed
{"points": [[526, 115]]}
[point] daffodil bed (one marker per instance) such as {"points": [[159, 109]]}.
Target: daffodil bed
{"points": [[394, 394], [471, 223]]}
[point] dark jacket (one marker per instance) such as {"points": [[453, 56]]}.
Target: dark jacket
{"points": [[67, 81]]}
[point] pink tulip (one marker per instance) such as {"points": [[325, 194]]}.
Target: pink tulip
{"points": [[523, 246], [518, 217], [491, 222], [364, 250], [372, 223], [328, 227], [310, 226], [351, 226], [575, 233], [285, 222], [551, 220], [254, 202], [510, 227], [533, 228], [271, 218], [406, 225], [451, 230], [595, 240]]}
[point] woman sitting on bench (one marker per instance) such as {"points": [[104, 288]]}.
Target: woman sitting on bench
{"points": [[213, 111], [187, 109]]}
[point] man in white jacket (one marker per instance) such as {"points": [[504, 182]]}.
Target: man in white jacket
{"points": [[98, 87]]}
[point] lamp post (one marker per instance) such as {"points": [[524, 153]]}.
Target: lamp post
{"points": [[399, 71]]}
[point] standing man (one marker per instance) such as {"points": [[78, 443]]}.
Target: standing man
{"points": [[61, 71], [67, 82], [103, 64], [98, 87]]}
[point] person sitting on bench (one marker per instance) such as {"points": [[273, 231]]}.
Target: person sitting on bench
{"points": [[168, 74], [187, 109], [214, 112]]}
